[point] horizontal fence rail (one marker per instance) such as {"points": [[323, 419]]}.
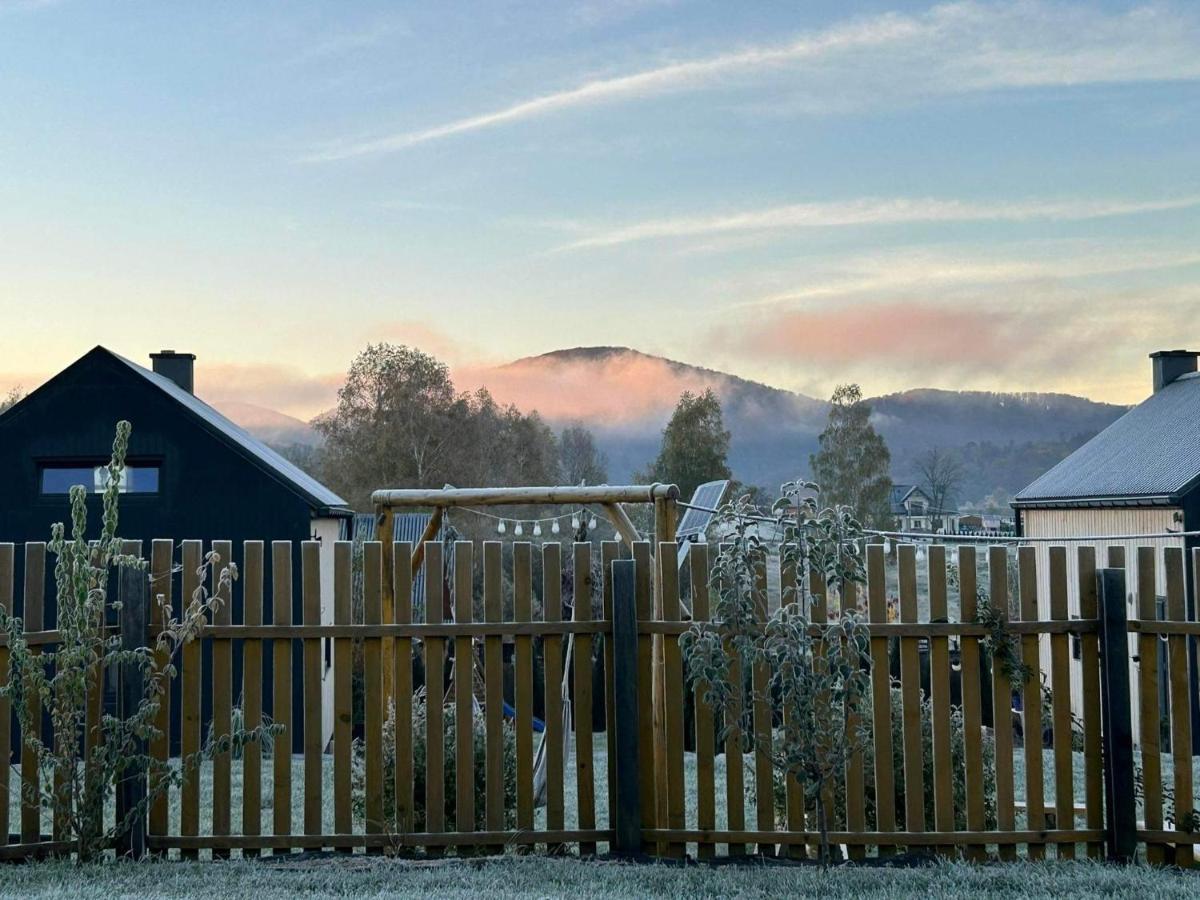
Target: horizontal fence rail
{"points": [[540, 698]]}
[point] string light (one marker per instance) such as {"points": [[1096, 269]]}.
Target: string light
{"points": [[501, 527], [537, 529], [519, 530], [554, 529], [592, 524], [575, 522]]}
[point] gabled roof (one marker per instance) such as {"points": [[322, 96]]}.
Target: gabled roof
{"points": [[321, 498], [901, 493], [1150, 455]]}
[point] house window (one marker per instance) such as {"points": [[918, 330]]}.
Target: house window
{"points": [[59, 478]]}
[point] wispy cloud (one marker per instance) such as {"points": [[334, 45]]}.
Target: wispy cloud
{"points": [[952, 47], [874, 211]]}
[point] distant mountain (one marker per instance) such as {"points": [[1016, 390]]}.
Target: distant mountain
{"points": [[267, 424], [626, 397]]}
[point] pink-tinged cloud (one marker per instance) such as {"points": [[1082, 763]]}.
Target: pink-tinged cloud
{"points": [[614, 390], [287, 389]]}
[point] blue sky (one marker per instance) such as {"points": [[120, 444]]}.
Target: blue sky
{"points": [[966, 195]]}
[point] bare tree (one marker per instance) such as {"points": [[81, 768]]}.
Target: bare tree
{"points": [[582, 462], [12, 398], [941, 476]]}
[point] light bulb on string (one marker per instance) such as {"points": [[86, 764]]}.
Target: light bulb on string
{"points": [[887, 547], [575, 521], [554, 529], [537, 529], [518, 530], [501, 528], [592, 524]]}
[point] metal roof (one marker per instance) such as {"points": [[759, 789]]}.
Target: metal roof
{"points": [[258, 453], [1152, 453]]}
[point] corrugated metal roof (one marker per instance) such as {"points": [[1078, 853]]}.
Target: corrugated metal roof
{"points": [[1152, 451], [259, 453], [405, 527]]}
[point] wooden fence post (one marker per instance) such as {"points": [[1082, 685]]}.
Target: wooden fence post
{"points": [[133, 593], [1121, 815], [628, 812]]}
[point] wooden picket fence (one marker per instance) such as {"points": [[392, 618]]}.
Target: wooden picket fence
{"points": [[647, 780]]}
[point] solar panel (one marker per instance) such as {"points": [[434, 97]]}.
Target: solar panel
{"points": [[695, 522]]}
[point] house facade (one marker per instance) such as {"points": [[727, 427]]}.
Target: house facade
{"points": [[191, 473], [914, 510]]}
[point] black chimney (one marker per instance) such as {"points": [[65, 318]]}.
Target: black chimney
{"points": [[1170, 364], [178, 367]]}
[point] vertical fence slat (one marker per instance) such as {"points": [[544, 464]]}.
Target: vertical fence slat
{"points": [[939, 689], [552, 656], [881, 695], [34, 620], [493, 676], [735, 796], [643, 578], [189, 702], [972, 706], [1031, 700], [310, 568], [373, 819], [674, 683], [1093, 760], [1060, 675], [343, 692], [706, 813], [252, 688], [402, 695], [793, 790], [1180, 704], [7, 557], [523, 671], [435, 688], [281, 710], [161, 559], [1116, 702], [1150, 720], [1002, 722], [464, 694], [818, 589], [764, 768], [626, 814], [910, 696], [856, 813], [222, 696], [133, 588], [609, 551], [585, 785]]}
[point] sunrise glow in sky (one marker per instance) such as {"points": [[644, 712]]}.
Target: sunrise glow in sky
{"points": [[1001, 196]]}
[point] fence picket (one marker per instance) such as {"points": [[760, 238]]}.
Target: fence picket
{"points": [[1089, 653], [706, 814], [402, 695], [252, 689], [760, 705], [645, 613], [1149, 719], [793, 789], [374, 820], [343, 693], [464, 695], [310, 568], [1002, 713], [435, 687], [161, 559], [674, 684], [910, 696], [281, 704], [881, 696], [581, 670], [493, 676], [222, 694], [34, 620], [1060, 679], [1180, 702], [7, 559], [735, 810], [189, 702], [523, 674], [609, 551], [552, 656], [1031, 701], [972, 707], [818, 588]]}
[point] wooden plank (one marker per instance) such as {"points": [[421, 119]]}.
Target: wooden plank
{"points": [[643, 581], [343, 693], [281, 708], [552, 655], [818, 589], [972, 708], [493, 677], [910, 696], [222, 693], [1060, 674], [1093, 759], [252, 688], [735, 790], [1121, 831], [189, 699], [585, 784], [310, 568], [523, 671], [1031, 700], [626, 815], [435, 688], [464, 695], [609, 551], [939, 689], [1180, 703], [374, 843], [673, 679], [1006, 816], [402, 703], [374, 819], [7, 567], [793, 789], [856, 813], [1149, 718], [385, 535], [764, 768], [881, 697], [161, 559], [706, 812], [34, 620], [133, 594], [664, 530], [911, 838]]}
